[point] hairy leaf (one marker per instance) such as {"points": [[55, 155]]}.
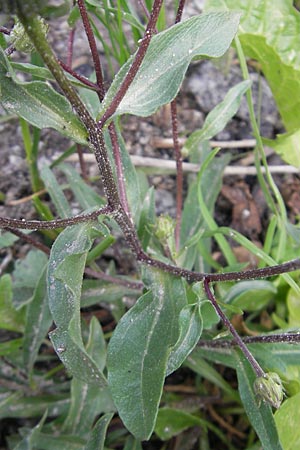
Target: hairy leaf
{"points": [[168, 56], [65, 272], [38, 103], [171, 422], [98, 434], [55, 192], [38, 321], [139, 349], [261, 417], [10, 318], [190, 323]]}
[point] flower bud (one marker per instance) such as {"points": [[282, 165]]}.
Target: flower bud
{"points": [[269, 389], [20, 39]]}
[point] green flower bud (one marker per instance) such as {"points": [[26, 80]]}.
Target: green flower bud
{"points": [[164, 228], [20, 39], [269, 389]]}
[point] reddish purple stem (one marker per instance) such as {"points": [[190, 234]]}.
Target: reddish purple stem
{"points": [[178, 156], [139, 57]]}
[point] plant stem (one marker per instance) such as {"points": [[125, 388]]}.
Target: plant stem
{"points": [[119, 167], [179, 173], [93, 47], [256, 367], [101, 94], [178, 156], [135, 64], [52, 224], [29, 240], [34, 30], [289, 338]]}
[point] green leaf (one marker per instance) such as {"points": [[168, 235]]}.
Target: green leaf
{"points": [[196, 363], [29, 442], [168, 56], [287, 419], [139, 349], [7, 239], [147, 218], [24, 407], [96, 291], [190, 323], [269, 33], [55, 192], [171, 422], [251, 295], [38, 321], [85, 195], [261, 417], [9, 347], [129, 172], [98, 434], [192, 219], [287, 146], [87, 400], [10, 318], [38, 103], [65, 272], [218, 118], [293, 308], [26, 275]]}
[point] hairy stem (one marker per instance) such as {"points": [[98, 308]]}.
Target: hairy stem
{"points": [[93, 48], [178, 156], [34, 30], [256, 367], [288, 338], [135, 65], [52, 224]]}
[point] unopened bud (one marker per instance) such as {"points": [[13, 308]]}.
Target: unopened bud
{"points": [[20, 39], [269, 389], [164, 228]]}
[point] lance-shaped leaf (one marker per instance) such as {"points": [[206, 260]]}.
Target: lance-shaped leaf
{"points": [[218, 118], [65, 272], [98, 434], [190, 323], [139, 349], [260, 416], [167, 58], [38, 321], [38, 103]]}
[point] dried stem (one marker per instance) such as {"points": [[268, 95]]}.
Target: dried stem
{"points": [[256, 367], [135, 65]]}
